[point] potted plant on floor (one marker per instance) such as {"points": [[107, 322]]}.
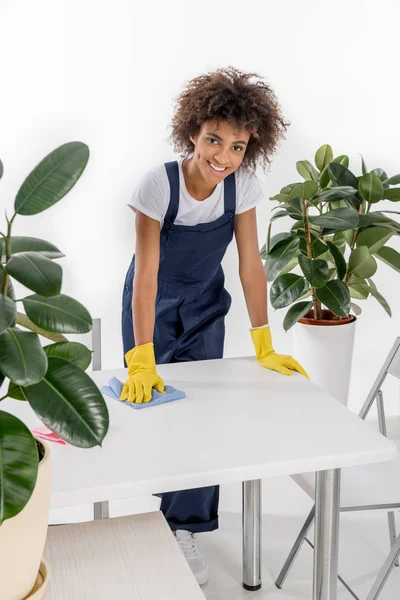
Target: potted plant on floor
{"points": [[50, 378], [340, 226]]}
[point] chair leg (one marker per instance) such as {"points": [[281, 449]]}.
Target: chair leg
{"points": [[296, 548], [101, 510], [385, 571], [392, 532]]}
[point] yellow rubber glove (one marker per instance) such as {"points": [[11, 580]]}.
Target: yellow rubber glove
{"points": [[268, 358], [142, 375]]}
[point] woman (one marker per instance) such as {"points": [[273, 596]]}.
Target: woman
{"points": [[174, 302]]}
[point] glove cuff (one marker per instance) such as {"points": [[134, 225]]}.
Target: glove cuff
{"points": [[141, 358], [262, 341]]}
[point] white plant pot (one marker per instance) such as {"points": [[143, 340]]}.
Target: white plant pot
{"points": [[326, 353], [22, 538]]}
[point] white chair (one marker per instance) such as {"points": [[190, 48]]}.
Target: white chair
{"points": [[369, 487]]}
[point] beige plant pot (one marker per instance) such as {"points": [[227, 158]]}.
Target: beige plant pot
{"points": [[22, 538]]}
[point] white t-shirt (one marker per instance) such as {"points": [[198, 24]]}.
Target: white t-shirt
{"points": [[152, 195]]}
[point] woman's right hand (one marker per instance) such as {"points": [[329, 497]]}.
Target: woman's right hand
{"points": [[142, 375]]}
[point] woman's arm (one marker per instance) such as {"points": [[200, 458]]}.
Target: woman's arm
{"points": [[147, 259], [251, 270]]}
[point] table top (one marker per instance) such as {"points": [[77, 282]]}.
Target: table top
{"points": [[238, 422]]}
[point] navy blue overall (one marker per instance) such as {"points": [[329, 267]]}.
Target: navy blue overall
{"points": [[191, 305]]}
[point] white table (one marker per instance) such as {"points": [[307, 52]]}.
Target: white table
{"points": [[239, 422]]}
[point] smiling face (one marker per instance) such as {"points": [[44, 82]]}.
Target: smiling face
{"points": [[219, 149]]}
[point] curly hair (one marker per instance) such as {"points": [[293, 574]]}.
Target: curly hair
{"points": [[230, 95]]}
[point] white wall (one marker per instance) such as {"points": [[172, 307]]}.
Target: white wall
{"points": [[105, 73]]}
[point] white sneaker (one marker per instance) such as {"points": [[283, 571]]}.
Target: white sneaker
{"points": [[196, 560]]}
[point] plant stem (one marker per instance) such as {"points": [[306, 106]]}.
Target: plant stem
{"points": [[307, 230], [8, 255]]}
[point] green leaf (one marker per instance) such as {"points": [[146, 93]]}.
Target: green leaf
{"points": [[295, 208], [282, 253], [52, 178], [36, 272], [295, 313], [343, 159], [340, 176], [361, 263], [291, 264], [21, 356], [359, 291], [335, 193], [394, 180], [323, 156], [306, 294], [338, 259], [378, 219], [371, 188], [349, 236], [279, 237], [374, 238], [393, 194], [390, 256], [382, 301], [73, 351], [16, 391], [263, 252], [8, 313], [380, 173], [340, 241], [30, 244], [363, 166], [70, 404], [306, 170], [286, 289], [335, 296], [60, 314], [288, 188], [324, 177], [26, 323], [338, 219], [310, 188], [19, 460], [268, 242], [280, 198], [356, 309], [315, 270], [279, 215]]}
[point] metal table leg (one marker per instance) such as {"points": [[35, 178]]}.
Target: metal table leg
{"points": [[251, 523], [101, 510], [327, 511]]}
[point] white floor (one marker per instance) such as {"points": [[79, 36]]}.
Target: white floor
{"points": [[364, 545]]}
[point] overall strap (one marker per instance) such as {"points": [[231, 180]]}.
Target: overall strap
{"points": [[230, 193], [173, 178]]}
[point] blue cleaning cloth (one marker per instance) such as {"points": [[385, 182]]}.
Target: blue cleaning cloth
{"points": [[114, 389]]}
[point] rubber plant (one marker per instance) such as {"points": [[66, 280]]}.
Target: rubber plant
{"points": [[341, 225], [50, 377]]}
